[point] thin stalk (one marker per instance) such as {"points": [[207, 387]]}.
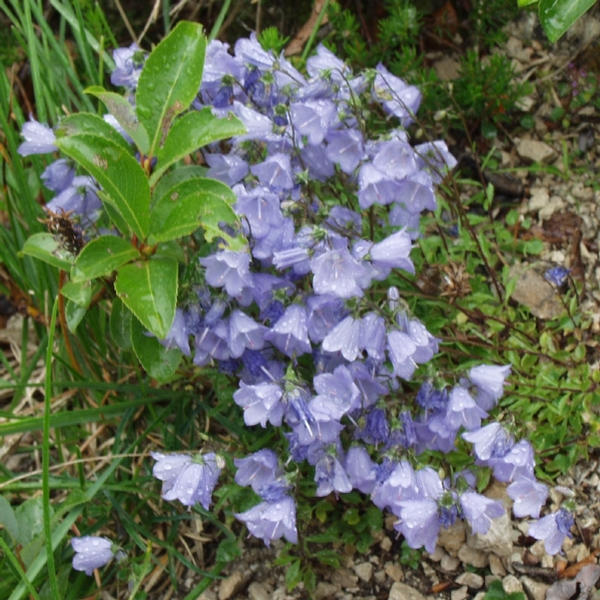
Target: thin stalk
{"points": [[214, 32], [313, 33], [46, 457]]}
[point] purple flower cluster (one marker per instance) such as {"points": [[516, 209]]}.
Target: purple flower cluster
{"points": [[300, 291], [328, 213]]}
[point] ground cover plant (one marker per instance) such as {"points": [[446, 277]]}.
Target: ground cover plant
{"points": [[340, 343]]}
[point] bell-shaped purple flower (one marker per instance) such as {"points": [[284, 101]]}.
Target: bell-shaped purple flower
{"points": [[275, 172], [489, 383], [345, 338], [372, 336], [91, 552], [273, 518], [330, 476], [228, 269], [128, 66], [261, 403], [518, 461], [528, 496], [400, 350], [337, 395], [338, 273], [360, 469], [195, 480], [462, 409], [395, 486], [479, 511], [39, 138], [178, 336], [58, 175], [228, 168], [345, 147], [397, 97], [325, 63], [313, 118], [553, 529], [435, 158], [393, 252], [81, 198], [289, 334], [324, 313], [244, 332], [419, 522], [430, 398], [258, 470], [489, 441], [377, 428], [211, 342]]}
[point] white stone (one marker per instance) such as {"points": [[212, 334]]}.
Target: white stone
{"points": [[497, 539], [393, 571], [401, 591], [257, 591], [473, 557], [449, 563], [536, 590], [555, 204], [364, 571], [230, 585], [453, 538], [385, 544], [471, 580], [325, 590], [539, 198], [460, 594], [496, 565], [511, 584], [535, 151]]}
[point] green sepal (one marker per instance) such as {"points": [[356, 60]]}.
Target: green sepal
{"points": [[149, 289], [47, 248], [102, 256]]}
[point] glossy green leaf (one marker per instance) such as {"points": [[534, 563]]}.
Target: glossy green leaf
{"points": [[124, 113], [175, 177], [120, 325], [102, 256], [74, 314], [89, 123], [160, 362], [149, 289], [123, 181], [47, 248], [192, 131], [556, 16], [170, 80], [191, 204], [78, 292]]}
